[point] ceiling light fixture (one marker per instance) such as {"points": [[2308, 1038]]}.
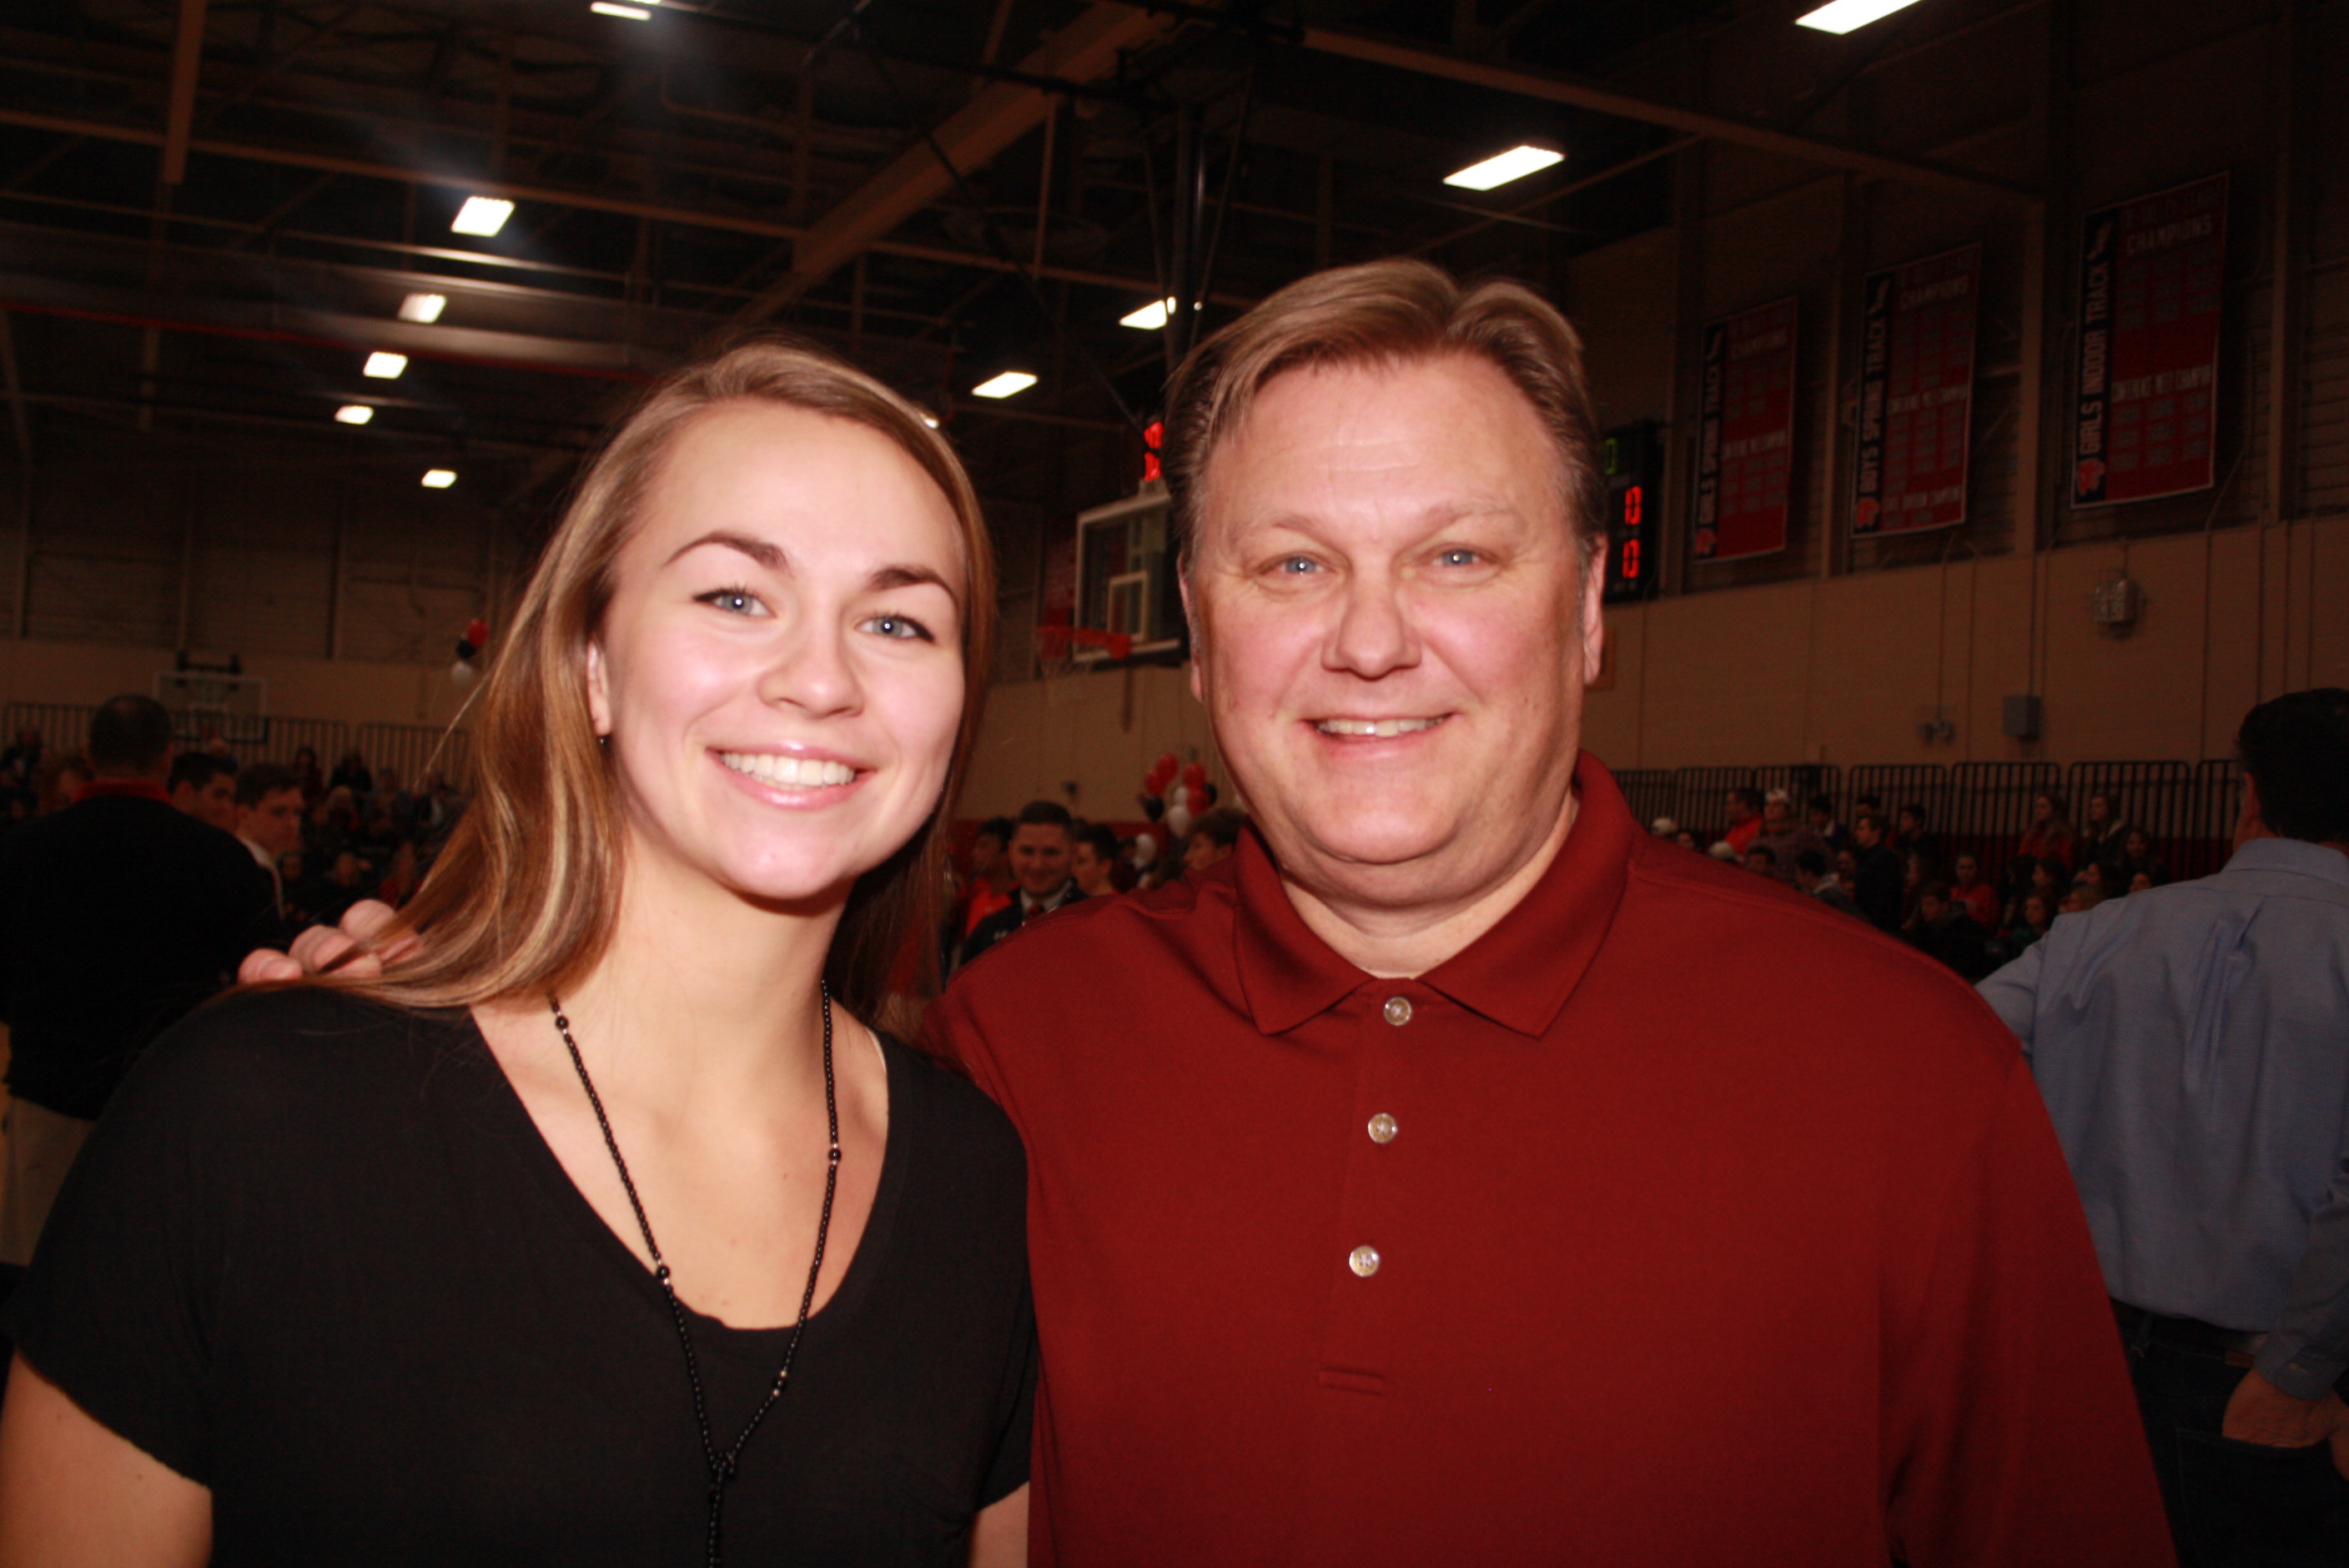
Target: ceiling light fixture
{"points": [[1005, 385], [630, 13], [1149, 317], [1502, 168], [422, 307], [354, 414], [481, 215], [386, 367], [1849, 16], [439, 479]]}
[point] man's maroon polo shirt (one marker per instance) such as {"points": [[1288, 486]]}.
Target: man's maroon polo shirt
{"points": [[1616, 1239]]}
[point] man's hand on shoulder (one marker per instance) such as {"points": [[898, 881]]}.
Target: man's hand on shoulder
{"points": [[320, 945], [2260, 1412]]}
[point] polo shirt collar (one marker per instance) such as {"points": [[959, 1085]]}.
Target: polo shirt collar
{"points": [[1518, 975]]}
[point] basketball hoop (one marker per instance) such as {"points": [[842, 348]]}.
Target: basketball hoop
{"points": [[1057, 647]]}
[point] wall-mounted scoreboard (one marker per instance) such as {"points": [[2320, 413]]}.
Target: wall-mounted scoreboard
{"points": [[1631, 459]]}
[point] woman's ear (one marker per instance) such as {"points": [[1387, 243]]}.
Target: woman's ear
{"points": [[599, 696]]}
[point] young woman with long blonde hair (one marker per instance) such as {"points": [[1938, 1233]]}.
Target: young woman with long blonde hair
{"points": [[597, 1227]]}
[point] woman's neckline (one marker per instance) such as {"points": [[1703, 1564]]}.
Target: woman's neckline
{"points": [[571, 1207]]}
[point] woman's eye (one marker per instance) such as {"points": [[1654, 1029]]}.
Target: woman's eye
{"points": [[734, 601], [1297, 565], [904, 628], [1459, 558]]}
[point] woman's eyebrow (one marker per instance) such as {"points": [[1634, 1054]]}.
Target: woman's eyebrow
{"points": [[899, 575], [907, 576], [758, 550]]}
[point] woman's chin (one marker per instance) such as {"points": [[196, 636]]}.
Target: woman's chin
{"points": [[801, 894]]}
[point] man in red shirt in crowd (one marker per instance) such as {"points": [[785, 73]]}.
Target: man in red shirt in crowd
{"points": [[1744, 819], [1456, 1175]]}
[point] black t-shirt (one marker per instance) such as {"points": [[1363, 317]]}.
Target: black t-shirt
{"points": [[117, 915], [318, 1257]]}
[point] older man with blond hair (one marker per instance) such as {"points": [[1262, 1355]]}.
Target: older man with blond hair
{"points": [[1457, 1175]]}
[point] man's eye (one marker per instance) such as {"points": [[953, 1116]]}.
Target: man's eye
{"points": [[904, 628], [734, 601], [1297, 565], [1460, 558]]}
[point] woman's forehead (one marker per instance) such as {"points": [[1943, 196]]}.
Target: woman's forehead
{"points": [[812, 488]]}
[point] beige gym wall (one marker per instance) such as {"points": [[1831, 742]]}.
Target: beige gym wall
{"points": [[1845, 670]]}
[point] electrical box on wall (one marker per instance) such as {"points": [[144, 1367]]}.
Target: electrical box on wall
{"points": [[2116, 603], [2018, 719]]}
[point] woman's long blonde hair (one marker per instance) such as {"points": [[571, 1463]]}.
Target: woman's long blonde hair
{"points": [[525, 896]]}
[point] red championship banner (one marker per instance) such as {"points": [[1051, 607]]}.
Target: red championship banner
{"points": [[2152, 272], [1916, 394], [1746, 435]]}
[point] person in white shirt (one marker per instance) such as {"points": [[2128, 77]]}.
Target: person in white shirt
{"points": [[269, 817]]}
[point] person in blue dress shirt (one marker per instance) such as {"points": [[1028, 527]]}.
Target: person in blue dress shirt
{"points": [[2192, 1043]]}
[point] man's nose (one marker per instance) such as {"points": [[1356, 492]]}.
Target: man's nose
{"points": [[1374, 634]]}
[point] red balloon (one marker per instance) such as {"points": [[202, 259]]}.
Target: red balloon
{"points": [[1195, 774], [477, 632]]}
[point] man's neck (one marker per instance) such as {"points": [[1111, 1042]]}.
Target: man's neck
{"points": [[145, 785], [2245, 832], [1400, 941]]}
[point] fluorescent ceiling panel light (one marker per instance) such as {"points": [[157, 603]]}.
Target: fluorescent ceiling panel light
{"points": [[1149, 317], [439, 479], [482, 215], [424, 308], [631, 12], [354, 414], [1005, 385], [386, 367], [1502, 168], [1846, 15]]}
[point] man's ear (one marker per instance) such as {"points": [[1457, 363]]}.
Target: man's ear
{"points": [[599, 696], [1191, 624], [1594, 626], [2249, 824]]}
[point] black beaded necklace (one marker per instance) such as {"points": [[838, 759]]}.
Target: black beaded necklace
{"points": [[721, 1465]]}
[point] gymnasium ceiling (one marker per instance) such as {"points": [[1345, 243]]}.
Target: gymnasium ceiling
{"points": [[210, 211]]}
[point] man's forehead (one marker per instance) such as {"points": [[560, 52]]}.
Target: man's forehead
{"points": [[1040, 833], [1323, 422]]}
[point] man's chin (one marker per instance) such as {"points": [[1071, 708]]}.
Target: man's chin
{"points": [[1368, 853]]}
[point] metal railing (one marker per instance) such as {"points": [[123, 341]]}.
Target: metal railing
{"points": [[1990, 808], [2162, 798], [411, 748], [62, 726], [1982, 808], [1897, 784], [325, 738], [1650, 792], [414, 749]]}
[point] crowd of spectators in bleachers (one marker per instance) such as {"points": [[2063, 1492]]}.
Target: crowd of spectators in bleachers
{"points": [[364, 831], [1893, 870]]}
